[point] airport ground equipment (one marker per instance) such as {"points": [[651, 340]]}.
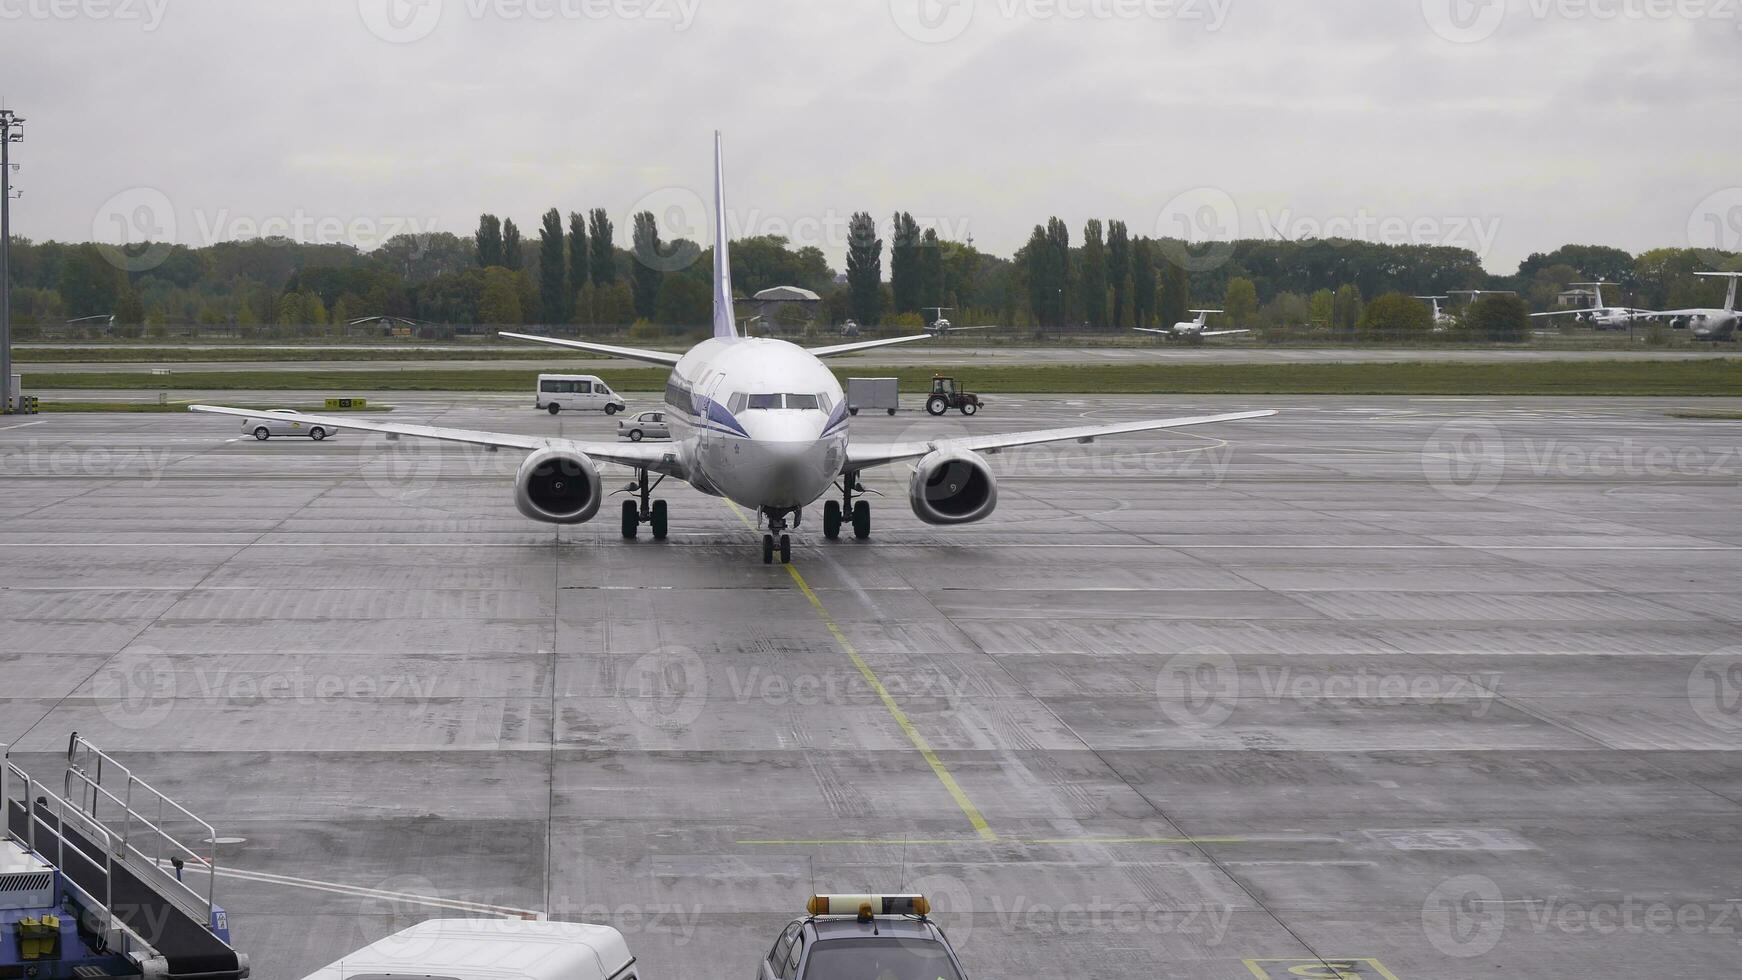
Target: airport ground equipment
{"points": [[873, 394], [491, 949], [947, 393], [862, 936], [92, 878]]}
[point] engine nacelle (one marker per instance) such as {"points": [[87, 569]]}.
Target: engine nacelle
{"points": [[953, 487], [558, 487]]}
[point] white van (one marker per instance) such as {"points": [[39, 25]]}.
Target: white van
{"points": [[490, 949], [585, 392]]}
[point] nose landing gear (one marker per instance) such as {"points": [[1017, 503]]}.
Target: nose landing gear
{"points": [[777, 536]]}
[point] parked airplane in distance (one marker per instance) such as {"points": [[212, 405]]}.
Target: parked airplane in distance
{"points": [[1602, 316], [758, 421], [1191, 328], [1709, 324], [1442, 319]]}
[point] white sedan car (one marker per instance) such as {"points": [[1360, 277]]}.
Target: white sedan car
{"points": [[264, 429], [647, 425]]}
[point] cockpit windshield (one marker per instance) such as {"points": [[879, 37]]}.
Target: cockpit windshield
{"points": [[788, 401]]}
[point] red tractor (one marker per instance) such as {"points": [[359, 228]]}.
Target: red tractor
{"points": [[947, 393]]}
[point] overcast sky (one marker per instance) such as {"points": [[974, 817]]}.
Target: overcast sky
{"points": [[1506, 128]]}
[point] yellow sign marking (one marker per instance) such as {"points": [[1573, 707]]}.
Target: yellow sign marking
{"points": [[938, 768], [1329, 968]]}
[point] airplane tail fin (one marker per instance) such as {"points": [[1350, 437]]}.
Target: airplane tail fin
{"points": [[725, 320], [1734, 277]]}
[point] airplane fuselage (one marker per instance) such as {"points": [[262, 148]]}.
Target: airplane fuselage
{"points": [[762, 422]]}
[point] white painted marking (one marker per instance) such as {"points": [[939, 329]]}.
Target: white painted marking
{"points": [[21, 425], [339, 888]]}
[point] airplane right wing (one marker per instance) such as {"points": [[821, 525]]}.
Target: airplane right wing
{"points": [[628, 353], [663, 457], [1164, 333], [865, 455]]}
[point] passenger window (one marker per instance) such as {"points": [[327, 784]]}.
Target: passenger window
{"points": [[550, 387], [782, 946], [583, 387], [790, 970]]}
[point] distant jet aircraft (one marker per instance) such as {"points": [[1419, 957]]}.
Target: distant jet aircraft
{"points": [[1191, 328], [1442, 319], [1602, 316], [1709, 324], [940, 327], [758, 421]]}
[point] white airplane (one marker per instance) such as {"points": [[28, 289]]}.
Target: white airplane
{"points": [[1602, 316], [940, 326], [758, 421], [1191, 328], [1709, 324], [1442, 319]]}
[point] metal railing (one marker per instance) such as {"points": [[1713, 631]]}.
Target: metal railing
{"points": [[45, 817], [129, 828]]}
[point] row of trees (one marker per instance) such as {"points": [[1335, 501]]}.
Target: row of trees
{"points": [[573, 272]]}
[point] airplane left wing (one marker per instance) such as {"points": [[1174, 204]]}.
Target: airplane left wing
{"points": [[1221, 333], [663, 458], [627, 353], [1165, 333], [864, 455], [860, 345]]}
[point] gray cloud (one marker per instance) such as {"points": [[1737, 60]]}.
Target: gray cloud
{"points": [[1556, 128]]}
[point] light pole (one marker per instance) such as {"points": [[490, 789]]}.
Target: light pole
{"points": [[10, 133]]}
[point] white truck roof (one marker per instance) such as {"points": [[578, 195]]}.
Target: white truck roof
{"points": [[489, 949]]}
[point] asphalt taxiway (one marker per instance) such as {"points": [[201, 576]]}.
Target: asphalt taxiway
{"points": [[1423, 687]]}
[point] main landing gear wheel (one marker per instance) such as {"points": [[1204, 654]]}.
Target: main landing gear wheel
{"points": [[832, 519], [644, 509], [937, 405], [862, 520], [554, 408], [768, 549]]}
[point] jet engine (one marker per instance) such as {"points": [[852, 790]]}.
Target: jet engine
{"points": [[953, 487], [558, 487]]}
